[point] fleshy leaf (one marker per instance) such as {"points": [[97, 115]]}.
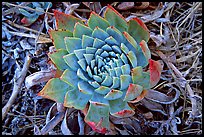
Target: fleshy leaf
{"points": [[116, 83], [70, 77], [138, 30], [56, 58], [100, 34], [85, 88], [115, 33], [55, 89], [80, 30], [155, 69], [98, 43], [120, 108], [107, 81], [95, 20], [141, 78], [115, 19], [132, 45], [87, 41], [140, 97], [98, 117], [145, 49], [132, 58], [58, 38], [82, 75], [71, 61], [74, 96], [82, 63], [102, 90], [125, 80], [79, 53], [114, 94], [133, 91], [65, 21], [72, 43]]}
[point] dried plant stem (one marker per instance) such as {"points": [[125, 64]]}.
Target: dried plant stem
{"points": [[25, 28], [41, 38], [52, 123], [188, 88], [17, 86], [25, 7]]}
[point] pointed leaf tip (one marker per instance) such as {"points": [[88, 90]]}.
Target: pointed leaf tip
{"points": [[65, 21], [97, 127], [155, 69]]}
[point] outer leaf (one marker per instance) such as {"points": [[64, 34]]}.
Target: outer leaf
{"points": [[58, 38], [72, 43], [75, 98], [133, 91], [115, 19], [98, 116], [55, 89], [145, 49], [155, 72], [70, 77], [140, 97], [71, 61], [120, 108], [65, 21], [114, 94], [132, 45], [56, 58], [141, 78], [138, 30], [95, 20], [80, 30]]}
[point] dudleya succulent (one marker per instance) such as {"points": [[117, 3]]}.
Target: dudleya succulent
{"points": [[102, 63]]}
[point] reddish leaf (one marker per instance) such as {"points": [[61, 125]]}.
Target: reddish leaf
{"points": [[133, 91], [65, 21], [155, 69], [140, 97], [97, 127], [145, 49]]}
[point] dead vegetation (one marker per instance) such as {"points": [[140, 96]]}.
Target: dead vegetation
{"points": [[176, 40]]}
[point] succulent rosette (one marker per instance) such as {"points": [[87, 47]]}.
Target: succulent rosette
{"points": [[103, 63]]}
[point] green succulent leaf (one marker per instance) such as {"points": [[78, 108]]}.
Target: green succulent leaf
{"points": [[138, 30], [80, 30], [120, 108], [56, 58], [133, 91], [69, 76], [75, 98], [95, 20], [66, 21], [141, 78], [55, 89], [115, 19], [58, 38]]}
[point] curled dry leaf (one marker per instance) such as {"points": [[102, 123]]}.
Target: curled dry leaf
{"points": [[143, 5], [81, 124], [155, 15], [64, 128], [125, 5], [38, 77], [154, 106], [159, 97]]}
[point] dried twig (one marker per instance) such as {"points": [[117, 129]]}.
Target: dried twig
{"points": [[18, 81], [192, 114], [52, 123]]}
